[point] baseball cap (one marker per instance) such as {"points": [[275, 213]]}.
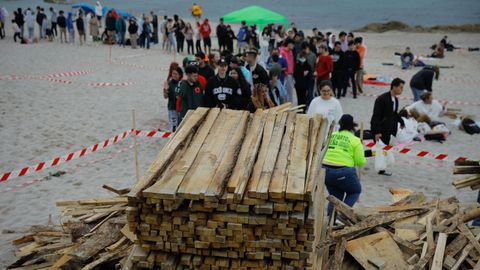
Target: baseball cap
{"points": [[222, 62], [347, 120], [200, 55], [252, 51]]}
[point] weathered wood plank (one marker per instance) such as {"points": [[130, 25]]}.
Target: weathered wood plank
{"points": [[201, 173], [224, 170], [262, 154], [319, 127], [439, 252], [272, 156], [338, 255], [278, 184], [167, 186], [297, 169], [246, 159], [162, 160]]}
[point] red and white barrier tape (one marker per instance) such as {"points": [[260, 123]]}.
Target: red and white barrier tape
{"points": [[68, 170], [74, 155], [52, 75], [99, 84], [138, 65], [417, 153]]}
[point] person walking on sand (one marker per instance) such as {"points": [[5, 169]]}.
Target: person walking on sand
{"points": [[173, 81], [339, 73], [62, 25], [171, 36], [344, 153], [121, 28], [147, 32], [352, 63], [362, 51], [30, 22], [188, 32], [205, 31], [422, 81], [80, 28], [94, 27], [385, 118], [287, 53], [71, 30], [132, 31], [222, 35], [99, 13], [53, 18], [155, 27], [110, 26]]}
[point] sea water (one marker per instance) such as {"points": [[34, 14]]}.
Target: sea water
{"points": [[331, 14]]}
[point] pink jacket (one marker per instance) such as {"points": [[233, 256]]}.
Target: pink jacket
{"points": [[288, 55]]}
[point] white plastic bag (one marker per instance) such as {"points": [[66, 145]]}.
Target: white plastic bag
{"points": [[383, 158]]}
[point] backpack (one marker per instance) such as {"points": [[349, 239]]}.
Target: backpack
{"points": [[470, 126]]}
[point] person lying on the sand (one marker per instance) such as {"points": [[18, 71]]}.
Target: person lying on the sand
{"points": [[427, 105]]}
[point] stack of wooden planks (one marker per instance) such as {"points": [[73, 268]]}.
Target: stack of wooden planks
{"points": [[412, 233], [232, 190], [93, 235], [467, 167]]}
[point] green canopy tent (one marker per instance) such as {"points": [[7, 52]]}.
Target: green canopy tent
{"points": [[255, 15]]}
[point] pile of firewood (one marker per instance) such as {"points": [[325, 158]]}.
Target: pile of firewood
{"points": [[93, 235], [467, 167], [412, 233]]}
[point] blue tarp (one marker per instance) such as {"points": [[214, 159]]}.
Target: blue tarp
{"points": [[87, 8]]}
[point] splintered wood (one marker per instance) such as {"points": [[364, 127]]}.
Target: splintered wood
{"points": [[412, 233], [467, 167], [232, 190]]}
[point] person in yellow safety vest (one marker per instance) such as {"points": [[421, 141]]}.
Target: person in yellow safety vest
{"points": [[196, 11], [344, 153]]}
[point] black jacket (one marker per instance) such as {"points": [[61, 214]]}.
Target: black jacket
{"points": [[61, 21], [221, 31], [110, 23], [222, 93], [423, 79], [352, 61], [207, 72], [80, 24], [259, 75], [385, 119], [132, 28], [302, 79]]}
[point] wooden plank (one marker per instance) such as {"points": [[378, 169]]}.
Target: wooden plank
{"points": [[94, 202], [467, 163], [469, 181], [278, 183], [315, 155], [467, 170], [379, 245], [464, 254], [107, 257], [373, 221], [262, 154], [439, 252], [297, 170], [344, 209], [210, 155], [166, 187], [217, 186], [65, 257], [168, 152], [456, 245], [271, 158], [246, 159], [338, 255], [467, 233]]}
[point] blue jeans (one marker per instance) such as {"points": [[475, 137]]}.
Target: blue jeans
{"points": [[417, 93], [121, 38], [174, 118], [406, 65], [30, 32], [476, 222], [343, 184]]}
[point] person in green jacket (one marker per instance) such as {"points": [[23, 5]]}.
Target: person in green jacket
{"points": [[190, 92], [169, 92], [344, 153]]}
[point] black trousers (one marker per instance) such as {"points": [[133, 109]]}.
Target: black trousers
{"points": [[351, 79], [198, 46], [54, 29], [180, 40], [190, 45], [301, 94]]}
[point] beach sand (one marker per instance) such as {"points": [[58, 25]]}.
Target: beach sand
{"points": [[40, 120]]}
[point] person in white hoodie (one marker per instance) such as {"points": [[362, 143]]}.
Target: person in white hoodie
{"points": [[99, 13], [326, 104], [3, 21], [30, 22]]}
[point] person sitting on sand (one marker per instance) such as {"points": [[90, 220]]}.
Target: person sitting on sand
{"points": [[428, 106], [407, 58], [439, 51]]}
